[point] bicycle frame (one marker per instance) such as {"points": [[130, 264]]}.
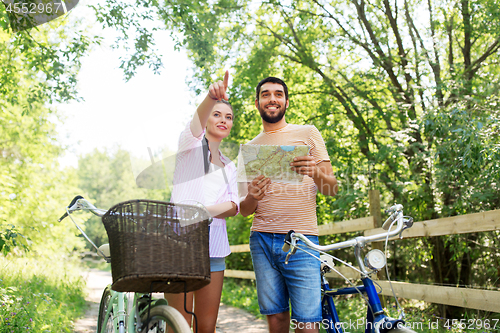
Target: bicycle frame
{"points": [[376, 319]]}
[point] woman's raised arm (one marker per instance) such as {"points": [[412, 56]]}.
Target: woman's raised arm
{"points": [[216, 91]]}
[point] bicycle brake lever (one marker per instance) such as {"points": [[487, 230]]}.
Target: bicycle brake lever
{"points": [[70, 206], [293, 250], [407, 224]]}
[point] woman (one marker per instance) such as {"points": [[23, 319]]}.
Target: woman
{"points": [[201, 165]]}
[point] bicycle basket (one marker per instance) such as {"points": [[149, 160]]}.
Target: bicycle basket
{"points": [[153, 241]]}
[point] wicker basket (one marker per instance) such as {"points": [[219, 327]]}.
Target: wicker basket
{"points": [[158, 245]]}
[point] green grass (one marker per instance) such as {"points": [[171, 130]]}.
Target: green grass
{"points": [[43, 294], [241, 294]]}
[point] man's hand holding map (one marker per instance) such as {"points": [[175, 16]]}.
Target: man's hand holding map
{"points": [[271, 161]]}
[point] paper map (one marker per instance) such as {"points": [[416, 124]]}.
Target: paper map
{"points": [[270, 161]]}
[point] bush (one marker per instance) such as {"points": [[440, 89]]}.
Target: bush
{"points": [[42, 295]]}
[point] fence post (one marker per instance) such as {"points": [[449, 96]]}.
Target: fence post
{"points": [[376, 212]]}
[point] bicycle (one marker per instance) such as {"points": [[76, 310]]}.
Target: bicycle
{"points": [[143, 234], [376, 320]]}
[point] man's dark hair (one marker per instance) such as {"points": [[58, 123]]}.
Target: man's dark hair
{"points": [[272, 80]]}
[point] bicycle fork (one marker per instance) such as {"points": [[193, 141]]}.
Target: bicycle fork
{"points": [[331, 321], [119, 314], [376, 319]]}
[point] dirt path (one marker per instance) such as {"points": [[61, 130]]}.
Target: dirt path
{"points": [[230, 319], [96, 282]]}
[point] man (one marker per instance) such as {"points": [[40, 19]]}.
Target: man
{"points": [[280, 207]]}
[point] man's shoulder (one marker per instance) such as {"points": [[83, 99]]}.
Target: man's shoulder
{"points": [[256, 140], [291, 130], [302, 130], [294, 126]]}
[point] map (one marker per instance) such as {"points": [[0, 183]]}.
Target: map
{"points": [[270, 161]]}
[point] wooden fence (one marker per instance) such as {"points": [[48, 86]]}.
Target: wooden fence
{"points": [[487, 300]]}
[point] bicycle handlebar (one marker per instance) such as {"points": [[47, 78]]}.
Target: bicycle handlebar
{"points": [[394, 208], [396, 214], [389, 221], [80, 203], [70, 205]]}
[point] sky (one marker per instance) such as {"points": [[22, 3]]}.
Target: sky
{"points": [[147, 111]]}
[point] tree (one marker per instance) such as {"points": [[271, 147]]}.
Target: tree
{"points": [[37, 67], [405, 92], [106, 179], [412, 100], [46, 59], [33, 189]]}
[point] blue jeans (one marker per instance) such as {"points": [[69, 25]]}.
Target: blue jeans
{"points": [[217, 264], [298, 282]]}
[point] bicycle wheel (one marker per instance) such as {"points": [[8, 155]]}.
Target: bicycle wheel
{"points": [[105, 327], [164, 318]]}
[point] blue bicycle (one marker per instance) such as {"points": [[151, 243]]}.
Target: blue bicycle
{"points": [[376, 320]]}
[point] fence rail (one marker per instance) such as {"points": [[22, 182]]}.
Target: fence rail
{"points": [[487, 300], [463, 224]]}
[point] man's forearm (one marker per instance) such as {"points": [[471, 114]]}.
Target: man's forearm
{"points": [[325, 179], [248, 206], [327, 185]]}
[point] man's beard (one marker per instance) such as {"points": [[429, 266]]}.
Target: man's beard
{"points": [[272, 119]]}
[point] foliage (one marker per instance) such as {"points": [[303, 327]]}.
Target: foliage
{"points": [[38, 67], [405, 94], [39, 294], [238, 230], [193, 24], [32, 186], [106, 178], [136, 38], [10, 238], [241, 294]]}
